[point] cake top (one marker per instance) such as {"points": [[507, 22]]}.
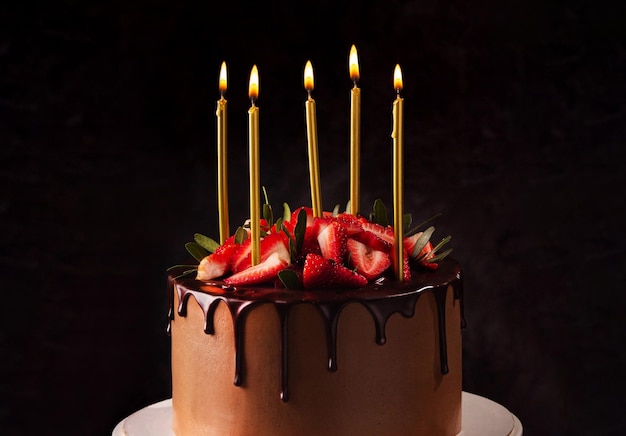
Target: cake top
{"points": [[299, 251]]}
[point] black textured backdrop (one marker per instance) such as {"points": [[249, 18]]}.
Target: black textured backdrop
{"points": [[515, 133]]}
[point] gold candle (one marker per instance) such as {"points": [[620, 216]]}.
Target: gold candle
{"points": [[355, 133], [255, 191], [222, 161], [398, 173], [311, 130]]}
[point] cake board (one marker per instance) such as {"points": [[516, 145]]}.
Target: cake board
{"points": [[481, 417]]}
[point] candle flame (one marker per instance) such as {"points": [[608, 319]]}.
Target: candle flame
{"points": [[354, 64], [253, 89], [223, 78], [397, 78], [308, 76]]}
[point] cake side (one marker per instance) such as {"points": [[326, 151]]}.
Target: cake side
{"points": [[385, 359]]}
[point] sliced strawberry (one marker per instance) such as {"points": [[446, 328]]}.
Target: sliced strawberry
{"points": [[383, 232], [368, 262], [347, 278], [218, 263], [318, 272], [352, 223], [372, 240], [263, 272], [332, 240], [241, 258], [272, 243]]}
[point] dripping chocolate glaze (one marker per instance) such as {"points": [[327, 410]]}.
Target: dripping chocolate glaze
{"points": [[382, 299]]}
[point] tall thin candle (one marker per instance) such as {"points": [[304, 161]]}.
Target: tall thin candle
{"points": [[398, 174], [222, 160], [355, 133], [311, 129], [255, 191]]}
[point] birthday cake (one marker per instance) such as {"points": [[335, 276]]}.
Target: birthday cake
{"points": [[320, 335]]}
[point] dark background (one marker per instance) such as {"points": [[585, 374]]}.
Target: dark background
{"points": [[515, 131]]}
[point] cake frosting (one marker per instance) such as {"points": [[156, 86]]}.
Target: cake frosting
{"points": [[382, 357]]}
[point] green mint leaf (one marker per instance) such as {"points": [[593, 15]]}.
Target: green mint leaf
{"points": [[407, 219]]}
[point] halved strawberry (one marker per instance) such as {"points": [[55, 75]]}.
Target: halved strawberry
{"points": [[263, 272], [368, 262], [218, 263], [383, 232], [351, 222], [372, 240], [347, 278], [317, 272], [272, 243], [332, 239]]}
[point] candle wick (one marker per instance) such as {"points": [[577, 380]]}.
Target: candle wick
{"points": [[355, 82], [222, 95], [308, 91], [252, 100]]}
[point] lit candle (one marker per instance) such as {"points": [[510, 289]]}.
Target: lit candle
{"points": [[255, 191], [398, 173], [222, 161], [311, 130], [355, 133]]}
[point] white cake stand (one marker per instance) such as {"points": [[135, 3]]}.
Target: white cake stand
{"points": [[481, 417]]}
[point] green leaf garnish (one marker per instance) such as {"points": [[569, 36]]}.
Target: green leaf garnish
{"points": [[268, 214], [422, 224], [299, 230], [289, 278], [440, 256], [181, 266], [422, 241], [186, 273], [286, 212], [240, 235], [407, 219], [197, 251], [441, 243], [205, 242], [380, 213]]}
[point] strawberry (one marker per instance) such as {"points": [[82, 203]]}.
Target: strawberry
{"points": [[261, 273], [369, 262], [347, 278], [353, 224], [383, 232], [317, 272], [424, 254], [372, 241], [332, 239], [272, 243], [324, 273], [218, 263], [241, 258]]}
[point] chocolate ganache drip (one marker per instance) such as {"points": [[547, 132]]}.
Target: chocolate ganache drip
{"points": [[382, 299]]}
